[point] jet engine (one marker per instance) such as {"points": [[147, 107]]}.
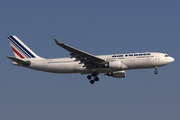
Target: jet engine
{"points": [[114, 64], [117, 74]]}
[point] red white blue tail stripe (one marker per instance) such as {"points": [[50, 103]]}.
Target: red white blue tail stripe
{"points": [[20, 49]]}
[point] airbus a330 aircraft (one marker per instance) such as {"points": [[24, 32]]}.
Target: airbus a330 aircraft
{"points": [[81, 62]]}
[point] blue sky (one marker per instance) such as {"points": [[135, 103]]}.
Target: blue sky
{"points": [[97, 27]]}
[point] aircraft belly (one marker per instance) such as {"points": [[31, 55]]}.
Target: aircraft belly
{"points": [[84, 70], [54, 67], [147, 63], [65, 68], [80, 69]]}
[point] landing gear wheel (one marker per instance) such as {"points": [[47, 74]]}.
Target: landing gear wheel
{"points": [[96, 79], [92, 81], [156, 68], [89, 77], [94, 74]]}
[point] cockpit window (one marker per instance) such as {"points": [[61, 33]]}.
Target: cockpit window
{"points": [[166, 55]]}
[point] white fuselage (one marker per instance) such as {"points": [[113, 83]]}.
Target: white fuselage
{"points": [[129, 61]]}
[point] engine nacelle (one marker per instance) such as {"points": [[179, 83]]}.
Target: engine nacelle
{"points": [[115, 64], [117, 74]]}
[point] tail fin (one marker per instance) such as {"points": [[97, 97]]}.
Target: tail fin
{"points": [[20, 50]]}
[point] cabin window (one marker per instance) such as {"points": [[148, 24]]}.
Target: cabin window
{"points": [[119, 55]]}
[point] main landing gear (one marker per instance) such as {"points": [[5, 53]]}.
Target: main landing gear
{"points": [[156, 72], [95, 77]]}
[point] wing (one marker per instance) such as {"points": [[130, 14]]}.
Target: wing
{"points": [[87, 59]]}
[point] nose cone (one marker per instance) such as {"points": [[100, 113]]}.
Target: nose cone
{"points": [[171, 59]]}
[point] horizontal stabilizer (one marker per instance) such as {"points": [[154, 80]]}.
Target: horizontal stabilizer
{"points": [[19, 61]]}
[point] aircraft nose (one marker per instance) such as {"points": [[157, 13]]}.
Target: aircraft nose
{"points": [[172, 59]]}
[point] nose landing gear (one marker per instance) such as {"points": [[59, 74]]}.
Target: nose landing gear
{"points": [[95, 77], [156, 72]]}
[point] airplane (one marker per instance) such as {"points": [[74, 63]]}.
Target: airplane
{"points": [[82, 62]]}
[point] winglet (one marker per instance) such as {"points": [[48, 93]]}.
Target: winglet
{"points": [[57, 42]]}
